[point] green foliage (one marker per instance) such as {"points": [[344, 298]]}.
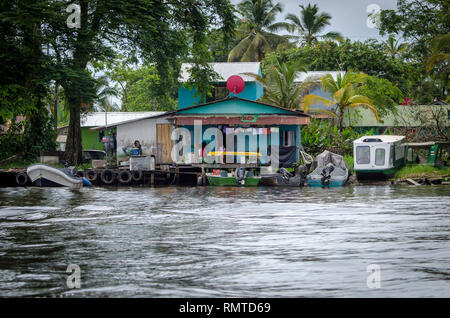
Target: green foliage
{"points": [[350, 162], [218, 46], [344, 96], [421, 171], [30, 137], [37, 47], [138, 87], [419, 22], [322, 135], [256, 30], [383, 93], [356, 56], [280, 87]]}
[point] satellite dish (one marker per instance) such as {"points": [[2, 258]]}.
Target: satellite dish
{"points": [[235, 84]]}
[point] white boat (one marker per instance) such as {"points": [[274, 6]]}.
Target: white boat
{"points": [[43, 175], [379, 155]]}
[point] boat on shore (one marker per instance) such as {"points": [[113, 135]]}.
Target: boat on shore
{"points": [[45, 176], [241, 177], [283, 178], [378, 156], [331, 171]]}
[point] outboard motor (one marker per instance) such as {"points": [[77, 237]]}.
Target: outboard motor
{"points": [[285, 175], [326, 175], [240, 175]]}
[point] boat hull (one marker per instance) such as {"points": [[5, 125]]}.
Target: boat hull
{"points": [[277, 180], [313, 182], [45, 176], [231, 181]]}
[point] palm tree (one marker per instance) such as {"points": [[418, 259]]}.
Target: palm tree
{"points": [[104, 93], [280, 86], [392, 47], [256, 28], [344, 96], [310, 24], [440, 55]]}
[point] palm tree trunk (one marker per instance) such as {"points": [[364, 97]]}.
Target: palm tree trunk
{"points": [[341, 124]]}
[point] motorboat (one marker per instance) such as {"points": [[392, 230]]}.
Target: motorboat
{"points": [[46, 176], [331, 171]]}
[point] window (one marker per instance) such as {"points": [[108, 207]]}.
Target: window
{"points": [[380, 157], [218, 92], [363, 155], [391, 155], [288, 138]]}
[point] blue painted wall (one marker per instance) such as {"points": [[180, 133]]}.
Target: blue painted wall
{"points": [[320, 92], [252, 91]]}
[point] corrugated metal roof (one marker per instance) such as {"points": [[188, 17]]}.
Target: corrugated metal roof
{"points": [[225, 70], [99, 118], [301, 76]]}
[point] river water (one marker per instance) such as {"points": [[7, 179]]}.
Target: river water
{"points": [[226, 242]]}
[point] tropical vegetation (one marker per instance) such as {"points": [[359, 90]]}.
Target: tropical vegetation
{"points": [[310, 25], [127, 55], [344, 96], [256, 31]]}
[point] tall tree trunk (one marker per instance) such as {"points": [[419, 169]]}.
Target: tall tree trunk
{"points": [[55, 106], [341, 124], [81, 57], [73, 152]]}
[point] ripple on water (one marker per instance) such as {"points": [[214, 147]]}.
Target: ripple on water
{"points": [[229, 242]]}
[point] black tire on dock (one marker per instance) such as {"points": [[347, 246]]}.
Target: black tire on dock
{"points": [[91, 175], [108, 176], [125, 177], [21, 178], [137, 175], [81, 173]]}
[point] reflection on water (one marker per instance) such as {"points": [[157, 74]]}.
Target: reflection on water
{"points": [[228, 242]]}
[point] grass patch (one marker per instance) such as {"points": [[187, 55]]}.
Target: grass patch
{"points": [[84, 166], [18, 163], [21, 164], [421, 171], [349, 162]]}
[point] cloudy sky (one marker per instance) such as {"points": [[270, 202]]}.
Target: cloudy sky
{"points": [[349, 17]]}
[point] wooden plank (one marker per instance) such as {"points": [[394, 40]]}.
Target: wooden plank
{"points": [[164, 143], [10, 159], [411, 181]]}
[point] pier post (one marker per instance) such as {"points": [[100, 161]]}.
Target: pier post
{"points": [[177, 174], [203, 175]]}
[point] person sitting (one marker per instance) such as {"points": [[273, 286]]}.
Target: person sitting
{"points": [[137, 151]]}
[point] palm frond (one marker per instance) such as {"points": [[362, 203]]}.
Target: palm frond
{"points": [[312, 99], [240, 49], [374, 111]]}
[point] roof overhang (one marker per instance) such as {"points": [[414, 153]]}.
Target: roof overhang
{"points": [[237, 120]]}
